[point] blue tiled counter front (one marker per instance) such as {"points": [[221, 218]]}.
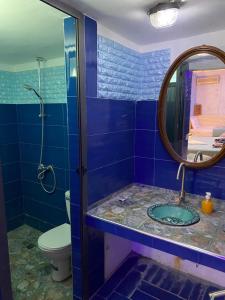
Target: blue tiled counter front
{"points": [[202, 243]]}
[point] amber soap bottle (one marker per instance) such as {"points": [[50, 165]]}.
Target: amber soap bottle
{"points": [[207, 204]]}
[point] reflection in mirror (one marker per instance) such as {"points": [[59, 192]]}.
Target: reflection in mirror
{"points": [[195, 108]]}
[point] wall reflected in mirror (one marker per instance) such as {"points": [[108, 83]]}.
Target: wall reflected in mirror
{"points": [[195, 108]]}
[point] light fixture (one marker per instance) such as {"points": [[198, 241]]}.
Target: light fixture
{"points": [[164, 14]]}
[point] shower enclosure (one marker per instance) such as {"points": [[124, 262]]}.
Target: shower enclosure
{"points": [[40, 150]]}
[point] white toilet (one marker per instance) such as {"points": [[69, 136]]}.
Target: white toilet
{"points": [[56, 245]]}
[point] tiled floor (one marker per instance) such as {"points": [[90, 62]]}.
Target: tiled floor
{"points": [[30, 271], [143, 279]]}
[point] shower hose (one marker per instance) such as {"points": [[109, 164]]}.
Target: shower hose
{"points": [[42, 169]]}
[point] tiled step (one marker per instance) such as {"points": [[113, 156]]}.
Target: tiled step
{"points": [[157, 292]]}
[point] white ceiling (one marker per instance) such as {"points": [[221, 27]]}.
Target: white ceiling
{"points": [[29, 28], [128, 18]]}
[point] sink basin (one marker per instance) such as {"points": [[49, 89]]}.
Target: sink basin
{"points": [[173, 214]]}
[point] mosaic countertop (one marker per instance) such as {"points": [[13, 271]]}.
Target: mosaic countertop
{"points": [[128, 208]]}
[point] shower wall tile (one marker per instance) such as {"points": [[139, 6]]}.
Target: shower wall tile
{"points": [[53, 89], [55, 152], [10, 161]]}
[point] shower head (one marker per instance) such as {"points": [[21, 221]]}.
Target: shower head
{"points": [[30, 88]]}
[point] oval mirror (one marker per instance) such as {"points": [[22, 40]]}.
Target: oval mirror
{"points": [[192, 107]]}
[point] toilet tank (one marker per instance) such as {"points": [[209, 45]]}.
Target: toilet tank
{"points": [[67, 198]]}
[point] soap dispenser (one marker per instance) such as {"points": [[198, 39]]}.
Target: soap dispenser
{"points": [[207, 204]]}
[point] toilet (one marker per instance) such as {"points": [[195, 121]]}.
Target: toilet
{"points": [[55, 244]]}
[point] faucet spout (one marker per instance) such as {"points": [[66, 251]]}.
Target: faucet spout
{"points": [[182, 192], [198, 155]]}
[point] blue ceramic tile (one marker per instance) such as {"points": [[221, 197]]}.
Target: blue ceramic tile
{"points": [[185, 253], [210, 180], [129, 284], [76, 252], [8, 114], [37, 223], [77, 282], [73, 115], [138, 295], [8, 134], [216, 262], [44, 212], [15, 223], [12, 190], [14, 208], [186, 289], [56, 136], [70, 48], [116, 296], [75, 220], [91, 56], [11, 172], [74, 151], [74, 188], [160, 150], [33, 190], [111, 177], [9, 153], [104, 149], [29, 133], [146, 115], [165, 174], [168, 281], [54, 114], [119, 231], [29, 172], [97, 297], [117, 277], [106, 115], [28, 114], [144, 170], [144, 143], [154, 291]]}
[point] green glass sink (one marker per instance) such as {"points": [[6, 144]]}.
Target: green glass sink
{"points": [[173, 214]]}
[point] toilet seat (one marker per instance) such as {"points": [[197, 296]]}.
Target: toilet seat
{"points": [[55, 239]]}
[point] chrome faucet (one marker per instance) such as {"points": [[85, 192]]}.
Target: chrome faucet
{"points": [[182, 192], [214, 295], [198, 155]]}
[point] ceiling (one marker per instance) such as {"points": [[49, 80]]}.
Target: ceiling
{"points": [[29, 28], [128, 18]]}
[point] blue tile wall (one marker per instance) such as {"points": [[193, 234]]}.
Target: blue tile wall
{"points": [[110, 146], [42, 210], [127, 74], [10, 160], [154, 165], [53, 86]]}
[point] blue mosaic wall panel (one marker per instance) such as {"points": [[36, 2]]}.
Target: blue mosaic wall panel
{"points": [[53, 86], [127, 74]]}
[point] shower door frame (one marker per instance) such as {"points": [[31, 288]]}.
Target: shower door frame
{"points": [[73, 12]]}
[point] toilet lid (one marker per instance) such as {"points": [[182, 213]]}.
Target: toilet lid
{"points": [[56, 238]]}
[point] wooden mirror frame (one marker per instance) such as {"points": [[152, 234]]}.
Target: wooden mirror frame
{"points": [[162, 101]]}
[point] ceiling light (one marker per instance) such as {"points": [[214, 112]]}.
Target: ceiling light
{"points": [[164, 14]]}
